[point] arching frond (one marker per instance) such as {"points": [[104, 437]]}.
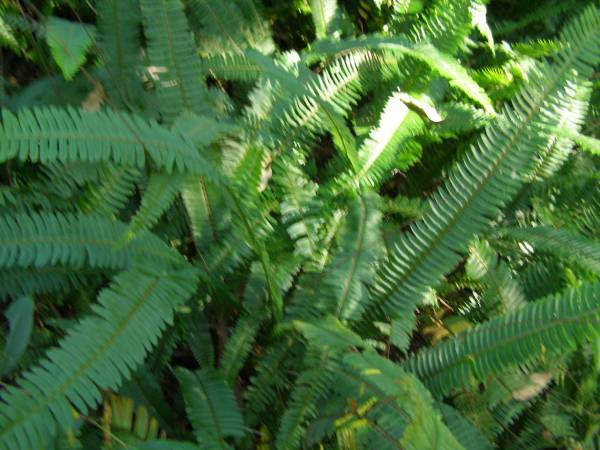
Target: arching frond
{"points": [[486, 179], [38, 240], [566, 244], [353, 263], [550, 326], [389, 146], [69, 135], [425, 53], [131, 314], [447, 25]]}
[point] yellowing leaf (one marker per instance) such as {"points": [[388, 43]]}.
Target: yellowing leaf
{"points": [[539, 381]]}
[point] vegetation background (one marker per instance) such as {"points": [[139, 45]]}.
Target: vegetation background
{"points": [[359, 224]]}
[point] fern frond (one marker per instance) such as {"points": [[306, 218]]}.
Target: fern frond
{"points": [[537, 48], [69, 135], [131, 314], [323, 13], [159, 195], [211, 407], [115, 187], [440, 63], [563, 243], [352, 265], [312, 385], [119, 43], [238, 347], [542, 279], [221, 24], [40, 280], [323, 102], [67, 180], [177, 71], [254, 314], [195, 330], [270, 379], [446, 26], [300, 206], [486, 179], [463, 429], [459, 118], [413, 403], [209, 217], [230, 27], [554, 155], [587, 143], [38, 240], [306, 109], [247, 66], [553, 325], [258, 28], [539, 14], [483, 264]]}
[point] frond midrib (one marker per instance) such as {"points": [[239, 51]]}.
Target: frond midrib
{"points": [[357, 250], [171, 55], [95, 356], [69, 240], [582, 318], [558, 75]]}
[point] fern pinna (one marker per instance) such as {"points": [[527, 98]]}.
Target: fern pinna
{"points": [[376, 228]]}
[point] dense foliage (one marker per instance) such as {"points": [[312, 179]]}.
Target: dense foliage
{"points": [[361, 224]]}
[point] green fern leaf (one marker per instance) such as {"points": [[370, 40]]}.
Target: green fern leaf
{"points": [[553, 325], [412, 403], [486, 179], [41, 280], [353, 263], [270, 379], [323, 13], [446, 25], [130, 315], [231, 26], [116, 185], [159, 195], [387, 145], [465, 432], [399, 47], [587, 143], [38, 240], [68, 135], [483, 264], [564, 243], [177, 70], [211, 408], [119, 44], [312, 384]]}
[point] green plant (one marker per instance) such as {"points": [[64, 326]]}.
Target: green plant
{"points": [[377, 228]]}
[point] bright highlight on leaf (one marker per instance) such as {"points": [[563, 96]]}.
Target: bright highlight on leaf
{"points": [[69, 43]]}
